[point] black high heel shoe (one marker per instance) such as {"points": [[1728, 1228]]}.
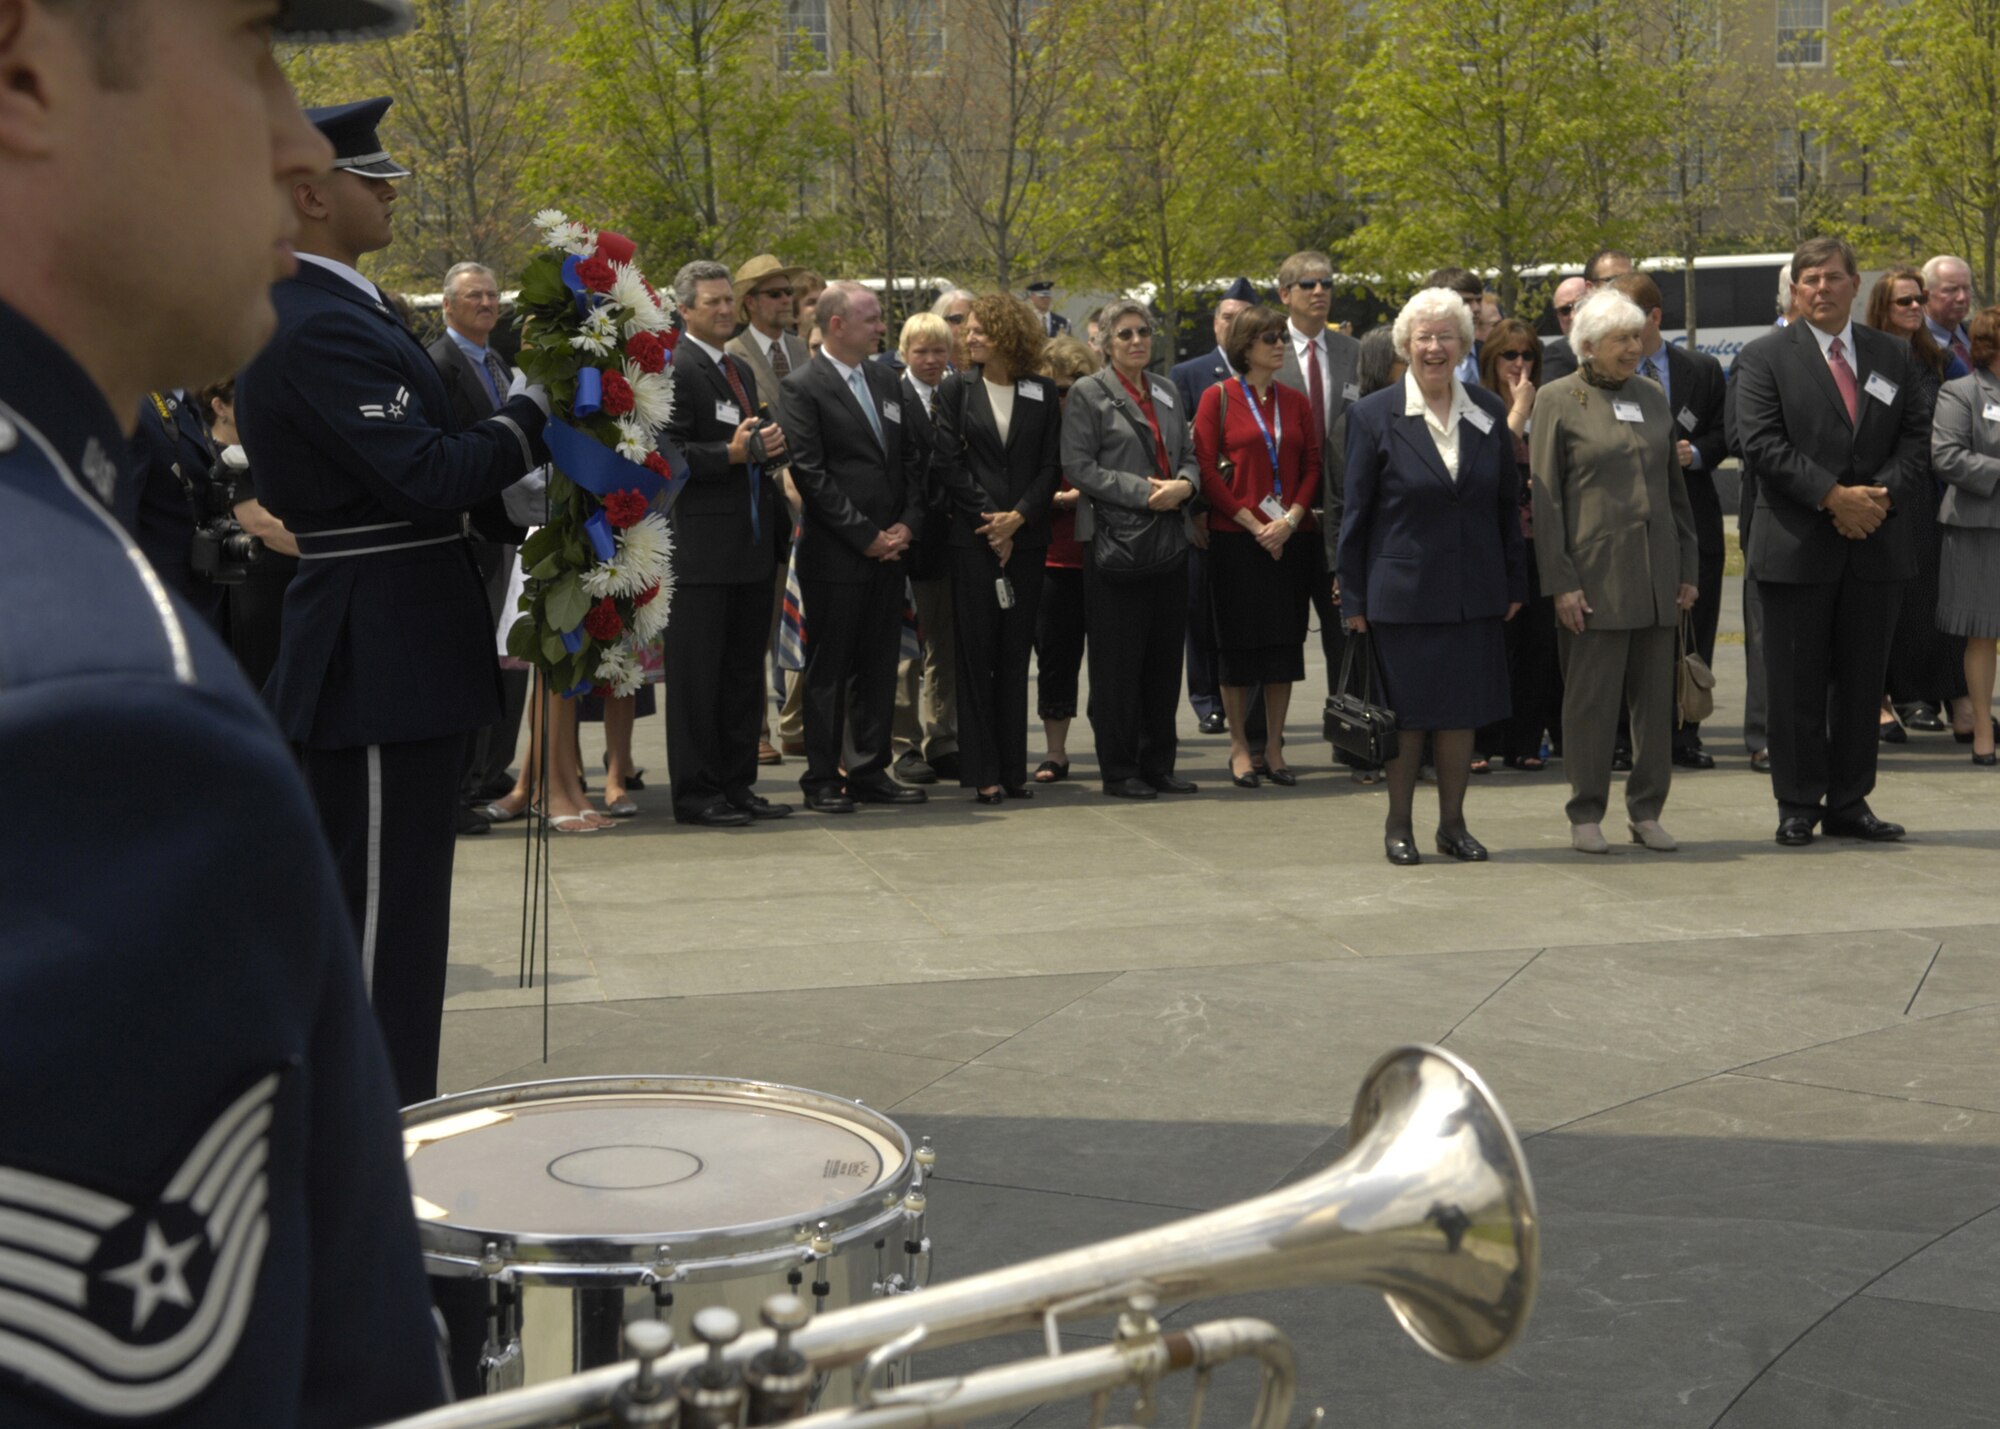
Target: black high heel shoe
{"points": [[1247, 780], [1965, 736], [998, 796]]}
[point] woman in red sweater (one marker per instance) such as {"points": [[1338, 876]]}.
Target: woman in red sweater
{"points": [[1258, 447]]}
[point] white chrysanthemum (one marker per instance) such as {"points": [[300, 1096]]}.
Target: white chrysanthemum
{"points": [[652, 397], [563, 236], [650, 619], [641, 560], [578, 241], [599, 335], [642, 310], [619, 669], [635, 442], [549, 223]]}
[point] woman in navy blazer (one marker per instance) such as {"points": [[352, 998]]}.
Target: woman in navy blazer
{"points": [[1431, 560], [996, 429]]}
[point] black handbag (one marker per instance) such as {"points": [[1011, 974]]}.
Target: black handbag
{"points": [[1357, 723]]}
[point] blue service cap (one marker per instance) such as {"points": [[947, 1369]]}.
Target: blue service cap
{"points": [[1042, 285], [356, 147], [324, 20], [1242, 292]]}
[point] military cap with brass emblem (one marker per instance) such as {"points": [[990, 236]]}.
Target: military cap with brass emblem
{"points": [[302, 20], [357, 148]]}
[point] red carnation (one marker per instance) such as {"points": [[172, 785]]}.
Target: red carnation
{"points": [[617, 394], [596, 275], [624, 508], [645, 597], [604, 692], [603, 623], [648, 351], [615, 247]]}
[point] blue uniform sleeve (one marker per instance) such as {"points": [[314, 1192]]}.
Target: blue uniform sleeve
{"points": [[346, 393]]}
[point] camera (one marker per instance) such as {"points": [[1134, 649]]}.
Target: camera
{"points": [[761, 449], [221, 552]]}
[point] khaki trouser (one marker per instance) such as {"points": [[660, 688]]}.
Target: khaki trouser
{"points": [[929, 725], [1601, 668]]}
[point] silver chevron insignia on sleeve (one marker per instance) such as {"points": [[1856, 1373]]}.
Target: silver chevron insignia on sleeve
{"points": [[126, 1311]]}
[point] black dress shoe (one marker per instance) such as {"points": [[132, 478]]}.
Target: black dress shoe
{"points": [[1621, 761], [1215, 723], [1019, 791], [719, 815], [993, 800], [830, 802], [1760, 760], [1251, 781], [1130, 789], [1167, 784], [885, 792], [1401, 851], [1922, 715], [1795, 833], [1893, 733], [911, 769], [1694, 759], [1986, 758], [1461, 846], [758, 807], [471, 822], [1863, 825], [1284, 778]]}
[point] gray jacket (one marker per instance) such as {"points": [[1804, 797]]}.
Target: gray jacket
{"points": [[1105, 456], [745, 347], [1965, 450]]}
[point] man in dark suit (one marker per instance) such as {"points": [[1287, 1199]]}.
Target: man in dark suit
{"points": [[1695, 389], [1829, 415], [1042, 297], [860, 477], [1558, 358], [476, 378], [387, 659], [723, 558], [1191, 379]]}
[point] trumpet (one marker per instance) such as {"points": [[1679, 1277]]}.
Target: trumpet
{"points": [[1431, 1206]]}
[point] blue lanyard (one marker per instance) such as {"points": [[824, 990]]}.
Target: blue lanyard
{"points": [[1271, 446]]}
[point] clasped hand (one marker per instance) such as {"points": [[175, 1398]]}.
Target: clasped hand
{"points": [[1857, 511], [889, 545], [1272, 536], [1001, 527], [1168, 495]]}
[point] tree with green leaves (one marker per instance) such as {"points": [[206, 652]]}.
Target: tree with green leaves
{"points": [[683, 129], [469, 84], [1308, 49], [1467, 139], [1921, 105]]}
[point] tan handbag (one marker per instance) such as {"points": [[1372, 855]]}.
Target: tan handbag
{"points": [[1694, 682]]}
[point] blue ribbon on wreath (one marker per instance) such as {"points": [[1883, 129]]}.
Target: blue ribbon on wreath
{"points": [[598, 528], [600, 470], [589, 392], [585, 299]]}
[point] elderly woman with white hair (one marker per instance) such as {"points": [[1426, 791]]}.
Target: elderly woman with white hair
{"points": [[1615, 542], [1431, 560]]}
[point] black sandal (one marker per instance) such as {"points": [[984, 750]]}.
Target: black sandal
{"points": [[1053, 770]]}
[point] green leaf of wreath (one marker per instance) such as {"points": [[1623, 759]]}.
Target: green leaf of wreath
{"points": [[566, 603]]}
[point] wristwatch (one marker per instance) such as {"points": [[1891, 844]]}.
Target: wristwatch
{"points": [[1292, 519]]}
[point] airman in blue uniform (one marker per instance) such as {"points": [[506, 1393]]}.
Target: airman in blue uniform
{"points": [[202, 1197], [387, 662]]}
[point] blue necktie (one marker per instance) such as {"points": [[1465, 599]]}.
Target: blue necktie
{"points": [[860, 387]]}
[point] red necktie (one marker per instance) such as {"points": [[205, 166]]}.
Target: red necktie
{"points": [[1958, 351], [1315, 388], [1843, 378], [736, 386]]}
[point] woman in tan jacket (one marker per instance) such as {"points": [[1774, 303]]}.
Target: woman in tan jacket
{"points": [[1615, 542]]}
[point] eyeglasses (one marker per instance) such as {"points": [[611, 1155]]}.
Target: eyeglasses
{"points": [[1522, 355], [1313, 284], [1270, 339], [1914, 300], [772, 293], [1133, 334], [1563, 310], [954, 318]]}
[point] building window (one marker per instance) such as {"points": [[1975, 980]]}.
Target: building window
{"points": [[806, 46], [1799, 162], [923, 32], [1801, 32]]}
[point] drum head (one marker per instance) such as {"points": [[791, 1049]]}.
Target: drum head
{"points": [[705, 1166]]}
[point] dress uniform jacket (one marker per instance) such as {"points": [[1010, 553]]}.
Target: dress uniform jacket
{"points": [[209, 1222], [351, 440]]}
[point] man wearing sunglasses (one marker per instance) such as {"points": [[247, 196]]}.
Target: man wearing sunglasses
{"points": [[1558, 359]]}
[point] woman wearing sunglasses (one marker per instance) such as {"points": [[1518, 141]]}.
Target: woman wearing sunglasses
{"points": [[1510, 367], [1258, 448]]}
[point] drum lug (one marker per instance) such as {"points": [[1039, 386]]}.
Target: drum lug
{"points": [[501, 1367]]}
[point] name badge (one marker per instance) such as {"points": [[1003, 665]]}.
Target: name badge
{"points": [[1881, 388], [728, 412], [1272, 510], [1627, 412], [892, 412], [1163, 397], [1480, 418], [1030, 391], [1351, 392], [1992, 412], [1687, 419]]}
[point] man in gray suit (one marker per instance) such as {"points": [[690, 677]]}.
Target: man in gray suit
{"points": [[1325, 365], [764, 297]]}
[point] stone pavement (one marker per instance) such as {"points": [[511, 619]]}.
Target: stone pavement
{"points": [[1759, 1088]]}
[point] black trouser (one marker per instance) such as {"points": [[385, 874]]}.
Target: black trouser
{"points": [[1203, 673], [490, 750], [1826, 653], [1138, 629], [1059, 637], [993, 650], [257, 617], [1535, 679], [1707, 618], [854, 631], [1926, 666], [390, 815], [713, 652]]}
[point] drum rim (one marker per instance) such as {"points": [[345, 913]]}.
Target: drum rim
{"points": [[454, 1248]]}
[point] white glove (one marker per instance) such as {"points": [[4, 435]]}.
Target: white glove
{"points": [[533, 391], [527, 499]]}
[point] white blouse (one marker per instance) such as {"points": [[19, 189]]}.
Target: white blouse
{"points": [[1002, 398], [1444, 438]]}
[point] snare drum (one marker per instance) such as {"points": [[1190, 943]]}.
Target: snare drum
{"points": [[588, 1201]]}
